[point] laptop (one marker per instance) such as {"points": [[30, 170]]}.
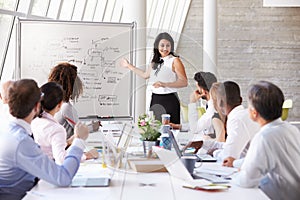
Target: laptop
{"points": [[173, 164], [126, 136], [176, 168], [200, 158], [118, 151]]}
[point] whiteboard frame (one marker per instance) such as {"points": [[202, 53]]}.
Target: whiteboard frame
{"points": [[132, 59]]}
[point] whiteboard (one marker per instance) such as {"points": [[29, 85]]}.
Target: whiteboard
{"points": [[95, 48]]}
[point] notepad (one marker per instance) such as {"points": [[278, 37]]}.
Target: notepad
{"points": [[211, 187], [216, 170], [147, 165]]}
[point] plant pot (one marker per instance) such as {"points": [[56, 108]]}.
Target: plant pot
{"points": [[148, 147]]}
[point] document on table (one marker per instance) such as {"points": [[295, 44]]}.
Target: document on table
{"points": [[201, 184], [216, 170]]}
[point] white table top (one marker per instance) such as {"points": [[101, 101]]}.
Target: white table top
{"points": [[126, 184]]}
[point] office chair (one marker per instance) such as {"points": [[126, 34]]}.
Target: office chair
{"points": [[287, 104], [185, 111]]}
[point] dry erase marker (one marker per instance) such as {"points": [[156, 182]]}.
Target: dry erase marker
{"points": [[70, 120]]}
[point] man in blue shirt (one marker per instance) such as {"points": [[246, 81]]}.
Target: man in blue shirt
{"points": [[22, 162]]}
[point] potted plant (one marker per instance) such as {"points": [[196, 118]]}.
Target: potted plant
{"points": [[149, 129]]}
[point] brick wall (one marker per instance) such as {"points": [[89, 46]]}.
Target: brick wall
{"points": [[254, 43]]}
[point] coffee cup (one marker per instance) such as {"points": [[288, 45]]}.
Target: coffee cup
{"points": [[189, 163], [165, 119]]}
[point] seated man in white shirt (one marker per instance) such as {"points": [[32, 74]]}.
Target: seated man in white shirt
{"points": [[204, 81], [22, 161], [239, 127], [272, 162]]}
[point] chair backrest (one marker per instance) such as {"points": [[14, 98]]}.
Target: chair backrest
{"points": [[287, 104], [185, 111]]}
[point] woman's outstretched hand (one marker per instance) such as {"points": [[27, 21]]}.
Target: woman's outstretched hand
{"points": [[124, 62]]}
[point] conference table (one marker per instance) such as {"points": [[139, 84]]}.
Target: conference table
{"points": [[129, 184]]}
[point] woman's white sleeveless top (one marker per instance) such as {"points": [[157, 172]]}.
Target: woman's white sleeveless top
{"points": [[165, 74]]}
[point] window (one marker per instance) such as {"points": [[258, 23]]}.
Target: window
{"points": [[40, 7], [5, 24], [90, 10], [78, 10], [67, 10], [7, 4], [100, 9], [53, 9]]}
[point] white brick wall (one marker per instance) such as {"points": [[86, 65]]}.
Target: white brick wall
{"points": [[254, 43]]}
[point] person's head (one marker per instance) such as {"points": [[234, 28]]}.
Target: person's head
{"points": [[228, 96], [265, 99], [213, 95], [204, 82], [53, 96], [23, 97], [163, 46], [4, 91], [65, 74]]}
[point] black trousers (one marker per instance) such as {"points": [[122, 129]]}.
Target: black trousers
{"points": [[166, 104]]}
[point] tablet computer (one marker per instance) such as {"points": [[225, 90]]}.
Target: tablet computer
{"points": [[90, 182]]}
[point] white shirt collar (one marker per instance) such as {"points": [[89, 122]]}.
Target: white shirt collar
{"points": [[24, 124], [48, 116], [272, 123], [235, 110]]}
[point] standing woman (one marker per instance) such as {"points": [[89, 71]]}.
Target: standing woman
{"points": [[166, 73], [65, 74]]}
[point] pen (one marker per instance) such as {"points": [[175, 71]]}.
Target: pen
{"points": [[70, 120]]}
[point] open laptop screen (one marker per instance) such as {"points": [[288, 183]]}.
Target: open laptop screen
{"points": [[201, 158], [175, 145], [126, 136]]}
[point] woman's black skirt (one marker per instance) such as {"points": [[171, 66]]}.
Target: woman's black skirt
{"points": [[166, 104]]}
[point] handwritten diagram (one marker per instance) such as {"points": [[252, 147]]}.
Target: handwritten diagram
{"points": [[95, 50]]}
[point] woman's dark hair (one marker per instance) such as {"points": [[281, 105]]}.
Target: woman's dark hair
{"points": [[156, 60], [229, 93], [205, 79], [267, 99], [65, 74], [52, 95]]}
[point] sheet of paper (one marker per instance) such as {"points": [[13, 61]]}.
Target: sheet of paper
{"points": [[216, 170]]}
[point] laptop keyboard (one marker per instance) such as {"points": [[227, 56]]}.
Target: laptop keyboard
{"points": [[210, 177]]}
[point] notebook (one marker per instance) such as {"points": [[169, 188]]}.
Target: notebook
{"points": [[200, 158]]}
